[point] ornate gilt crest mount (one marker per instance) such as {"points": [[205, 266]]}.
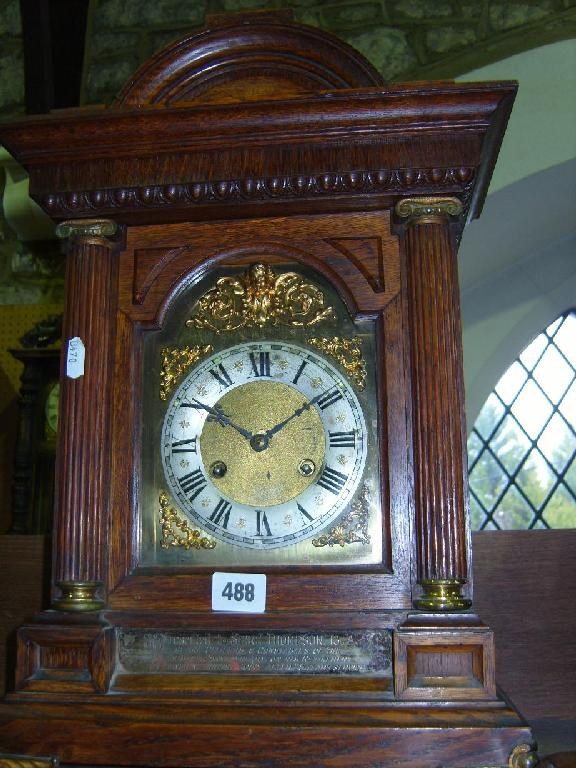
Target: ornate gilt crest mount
{"points": [[258, 298]]}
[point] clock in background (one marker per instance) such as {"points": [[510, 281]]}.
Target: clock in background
{"points": [[34, 456]]}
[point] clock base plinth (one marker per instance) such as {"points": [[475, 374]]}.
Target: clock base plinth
{"points": [[274, 733], [73, 701]]}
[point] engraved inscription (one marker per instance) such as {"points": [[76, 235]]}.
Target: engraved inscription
{"points": [[290, 653]]}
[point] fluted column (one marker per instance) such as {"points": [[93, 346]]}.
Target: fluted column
{"points": [[437, 401], [83, 454]]}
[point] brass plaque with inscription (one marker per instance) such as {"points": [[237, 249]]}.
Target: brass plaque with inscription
{"points": [[366, 652]]}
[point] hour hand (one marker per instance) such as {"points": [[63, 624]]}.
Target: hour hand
{"points": [[219, 416]]}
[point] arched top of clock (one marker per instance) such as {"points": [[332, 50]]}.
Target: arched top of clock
{"points": [[161, 273], [248, 57]]}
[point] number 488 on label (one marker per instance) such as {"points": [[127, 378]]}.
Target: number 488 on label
{"points": [[242, 592]]}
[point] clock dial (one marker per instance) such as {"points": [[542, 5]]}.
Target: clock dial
{"points": [[51, 408], [264, 444]]}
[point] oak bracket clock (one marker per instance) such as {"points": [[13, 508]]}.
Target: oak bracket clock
{"points": [[262, 551]]}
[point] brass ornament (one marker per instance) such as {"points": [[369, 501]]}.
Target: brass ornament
{"points": [[78, 596], [352, 528], [25, 761], [264, 478], [89, 231], [523, 756], [442, 595], [428, 210], [191, 538], [177, 360], [258, 298], [346, 352]]}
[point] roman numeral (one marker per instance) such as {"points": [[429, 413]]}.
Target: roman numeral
{"points": [[343, 439], [262, 522], [260, 367], [303, 365], [332, 480], [221, 513], [178, 446], [221, 375], [303, 512], [193, 483], [329, 398]]}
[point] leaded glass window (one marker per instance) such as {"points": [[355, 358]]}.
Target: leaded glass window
{"points": [[522, 448]]}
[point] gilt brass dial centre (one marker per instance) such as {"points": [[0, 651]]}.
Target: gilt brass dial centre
{"points": [[263, 470]]}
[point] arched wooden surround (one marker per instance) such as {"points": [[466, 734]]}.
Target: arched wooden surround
{"points": [[239, 58]]}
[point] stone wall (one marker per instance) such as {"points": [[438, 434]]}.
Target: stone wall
{"points": [[11, 59], [404, 39]]}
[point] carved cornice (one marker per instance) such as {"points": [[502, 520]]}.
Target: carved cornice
{"points": [[384, 181]]}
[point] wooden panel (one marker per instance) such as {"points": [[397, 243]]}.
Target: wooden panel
{"points": [[446, 664], [524, 590], [356, 252], [203, 735]]}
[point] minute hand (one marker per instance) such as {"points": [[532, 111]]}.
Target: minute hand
{"points": [[297, 412], [221, 418]]}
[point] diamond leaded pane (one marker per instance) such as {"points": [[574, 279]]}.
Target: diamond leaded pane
{"points": [[568, 406], [532, 409], [511, 383], [565, 339], [522, 449], [510, 444], [488, 480], [558, 442], [570, 477], [536, 480], [559, 512], [474, 447], [553, 374], [534, 351], [489, 417], [513, 511], [477, 513]]}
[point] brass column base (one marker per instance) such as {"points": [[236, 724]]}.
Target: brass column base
{"points": [[442, 595], [78, 596]]}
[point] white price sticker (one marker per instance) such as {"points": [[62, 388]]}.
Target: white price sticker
{"points": [[75, 358], [242, 592]]}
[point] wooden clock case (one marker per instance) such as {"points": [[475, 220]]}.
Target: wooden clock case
{"points": [[261, 138]]}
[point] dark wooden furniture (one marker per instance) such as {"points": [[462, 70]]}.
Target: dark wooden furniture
{"points": [[33, 486], [520, 580], [261, 138]]}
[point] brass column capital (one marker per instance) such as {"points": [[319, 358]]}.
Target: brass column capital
{"points": [[88, 231], [428, 210]]}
